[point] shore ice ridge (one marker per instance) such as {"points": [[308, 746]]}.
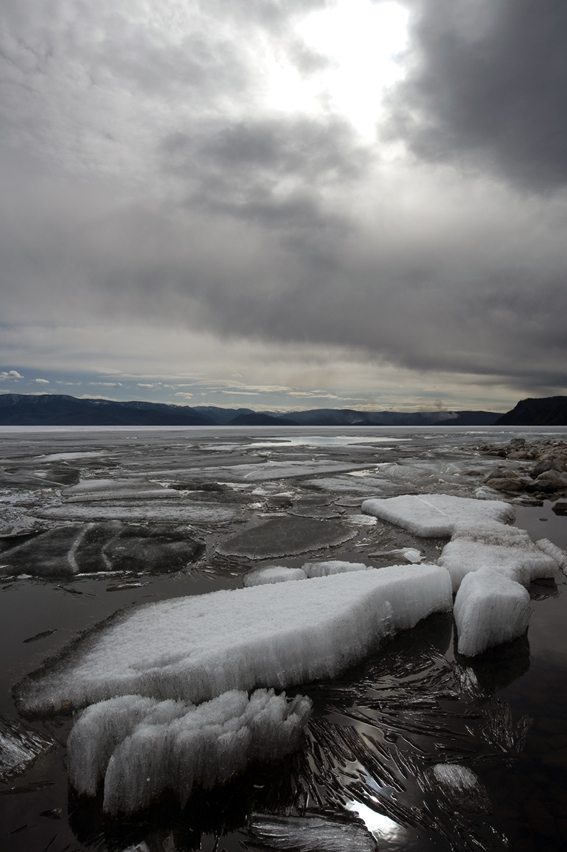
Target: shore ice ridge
{"points": [[196, 648], [493, 607], [141, 747]]}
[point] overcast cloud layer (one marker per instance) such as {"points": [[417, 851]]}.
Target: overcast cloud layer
{"points": [[284, 204]]}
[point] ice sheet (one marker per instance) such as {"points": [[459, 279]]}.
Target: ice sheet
{"points": [[183, 512], [462, 787], [142, 747], [436, 515], [333, 566], [285, 536], [310, 834], [489, 609], [109, 546], [195, 648], [274, 574], [20, 746], [522, 564]]}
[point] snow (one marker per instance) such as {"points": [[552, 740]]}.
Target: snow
{"points": [[197, 647], [522, 564], [505, 549], [552, 550], [142, 747], [274, 574], [489, 609], [436, 515], [311, 834]]}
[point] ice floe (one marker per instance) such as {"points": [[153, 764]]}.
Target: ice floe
{"points": [[462, 787], [274, 574], [109, 546], [436, 515], [507, 550], [489, 609], [286, 536], [310, 834], [182, 512], [20, 746], [142, 746], [333, 566], [196, 648]]}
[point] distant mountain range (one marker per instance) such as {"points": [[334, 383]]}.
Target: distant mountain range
{"points": [[62, 410]]}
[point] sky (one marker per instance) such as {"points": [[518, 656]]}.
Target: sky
{"points": [[284, 204]]}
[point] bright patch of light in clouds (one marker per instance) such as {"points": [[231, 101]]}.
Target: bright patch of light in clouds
{"points": [[360, 41]]}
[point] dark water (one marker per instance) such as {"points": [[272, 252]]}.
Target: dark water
{"points": [[376, 732]]}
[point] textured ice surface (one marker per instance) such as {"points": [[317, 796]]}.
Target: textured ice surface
{"points": [[462, 786], [20, 746], [552, 550], [286, 536], [435, 515], [110, 546], [142, 747], [310, 834], [195, 648], [333, 566], [489, 609], [274, 574], [522, 563], [182, 512]]}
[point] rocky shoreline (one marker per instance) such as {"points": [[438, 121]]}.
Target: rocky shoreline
{"points": [[543, 478]]}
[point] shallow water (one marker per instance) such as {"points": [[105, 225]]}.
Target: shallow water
{"points": [[376, 732]]}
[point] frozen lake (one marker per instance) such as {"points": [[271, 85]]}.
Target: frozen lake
{"points": [[93, 521]]}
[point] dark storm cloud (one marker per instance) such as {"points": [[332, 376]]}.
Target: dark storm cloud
{"points": [[151, 187], [488, 87], [271, 170]]}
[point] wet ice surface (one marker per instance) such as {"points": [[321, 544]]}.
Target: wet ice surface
{"points": [[379, 731]]}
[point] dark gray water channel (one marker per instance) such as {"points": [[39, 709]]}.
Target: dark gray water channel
{"points": [[377, 732]]}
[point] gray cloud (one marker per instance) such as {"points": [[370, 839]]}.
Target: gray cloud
{"points": [[486, 88], [151, 189]]}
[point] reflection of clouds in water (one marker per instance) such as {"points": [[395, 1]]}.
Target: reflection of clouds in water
{"points": [[382, 827]]}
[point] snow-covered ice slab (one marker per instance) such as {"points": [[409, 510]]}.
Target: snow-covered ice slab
{"points": [[142, 747], [436, 515], [489, 609], [197, 647], [508, 550], [20, 746], [311, 834]]}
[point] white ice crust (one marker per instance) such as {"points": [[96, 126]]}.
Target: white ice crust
{"points": [[505, 549], [274, 574], [436, 515], [333, 566], [142, 747], [198, 647], [489, 609]]}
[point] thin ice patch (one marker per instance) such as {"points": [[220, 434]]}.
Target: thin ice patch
{"points": [[20, 747]]}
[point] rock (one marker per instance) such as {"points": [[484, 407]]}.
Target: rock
{"points": [[551, 480], [510, 482]]}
